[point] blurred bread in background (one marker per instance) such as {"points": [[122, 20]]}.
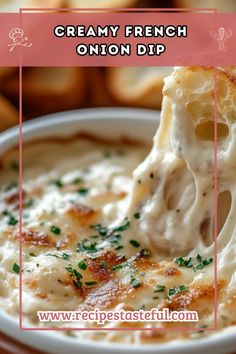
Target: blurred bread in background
{"points": [[45, 4], [101, 3], [98, 92], [8, 114], [6, 71], [80, 3], [137, 86], [221, 5], [46, 90]]}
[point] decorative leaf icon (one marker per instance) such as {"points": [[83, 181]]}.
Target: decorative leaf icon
{"points": [[214, 35], [221, 32], [228, 34]]}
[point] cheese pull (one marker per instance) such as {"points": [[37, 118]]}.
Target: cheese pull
{"points": [[175, 187]]}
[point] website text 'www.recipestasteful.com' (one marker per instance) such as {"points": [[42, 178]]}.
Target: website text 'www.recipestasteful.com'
{"points": [[100, 317]]}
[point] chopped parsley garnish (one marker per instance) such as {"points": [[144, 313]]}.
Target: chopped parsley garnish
{"points": [[58, 183], [187, 262], [74, 272], [159, 289], [176, 290], [56, 230], [134, 243], [78, 283], [87, 246], [118, 248], [118, 266], [184, 262], [64, 255], [78, 276], [114, 239], [103, 265], [199, 258], [112, 235], [90, 283], [102, 230], [122, 227], [135, 283], [137, 215], [203, 263], [82, 264], [83, 191], [12, 221], [16, 268]]}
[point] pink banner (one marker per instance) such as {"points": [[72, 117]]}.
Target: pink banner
{"points": [[117, 39]]}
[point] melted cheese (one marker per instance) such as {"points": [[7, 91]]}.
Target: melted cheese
{"points": [[81, 204]]}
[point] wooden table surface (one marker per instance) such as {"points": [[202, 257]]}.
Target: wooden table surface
{"points": [[10, 346]]}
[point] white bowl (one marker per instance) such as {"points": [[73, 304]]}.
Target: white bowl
{"points": [[112, 123]]}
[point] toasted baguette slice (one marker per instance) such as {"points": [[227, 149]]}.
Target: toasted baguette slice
{"points": [[137, 86], [48, 89], [177, 190], [8, 114]]}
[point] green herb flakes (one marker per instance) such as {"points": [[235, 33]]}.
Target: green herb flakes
{"points": [[90, 283], [176, 290], [135, 283], [82, 264], [118, 266], [184, 262], [203, 263], [83, 191], [16, 268], [58, 183], [159, 289], [56, 230], [134, 243], [123, 227]]}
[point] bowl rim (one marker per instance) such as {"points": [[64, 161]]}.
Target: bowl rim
{"points": [[212, 342], [84, 114]]}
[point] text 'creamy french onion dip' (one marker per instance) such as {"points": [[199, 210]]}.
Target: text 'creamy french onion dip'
{"points": [[97, 236]]}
